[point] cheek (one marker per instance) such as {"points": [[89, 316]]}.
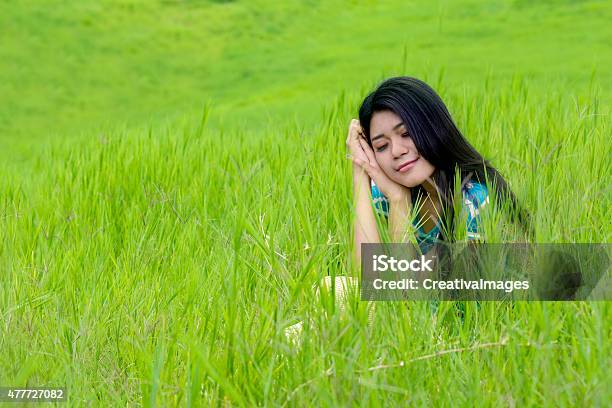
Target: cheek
{"points": [[383, 161], [426, 165], [412, 145], [426, 169]]}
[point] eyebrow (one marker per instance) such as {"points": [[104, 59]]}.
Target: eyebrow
{"points": [[382, 134]]}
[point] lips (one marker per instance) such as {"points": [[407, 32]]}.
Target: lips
{"points": [[406, 166]]}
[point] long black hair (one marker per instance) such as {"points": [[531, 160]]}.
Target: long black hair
{"points": [[440, 142]]}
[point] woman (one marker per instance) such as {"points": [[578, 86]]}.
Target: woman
{"points": [[406, 151]]}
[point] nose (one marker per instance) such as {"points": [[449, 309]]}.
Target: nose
{"points": [[398, 148]]}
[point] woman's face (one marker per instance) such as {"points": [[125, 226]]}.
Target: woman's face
{"points": [[395, 151]]}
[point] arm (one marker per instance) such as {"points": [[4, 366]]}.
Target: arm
{"points": [[364, 223], [365, 167], [476, 202]]}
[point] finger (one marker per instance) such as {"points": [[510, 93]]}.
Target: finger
{"points": [[369, 152], [358, 162], [362, 131], [357, 133], [363, 164], [371, 170], [351, 130], [360, 148]]}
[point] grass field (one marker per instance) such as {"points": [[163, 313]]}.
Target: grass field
{"points": [[174, 183]]}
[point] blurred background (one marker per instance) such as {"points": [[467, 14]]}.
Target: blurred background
{"points": [[75, 69]]}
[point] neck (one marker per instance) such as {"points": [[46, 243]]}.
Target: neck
{"points": [[431, 189], [430, 211]]}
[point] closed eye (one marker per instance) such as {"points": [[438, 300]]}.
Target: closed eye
{"points": [[381, 148]]}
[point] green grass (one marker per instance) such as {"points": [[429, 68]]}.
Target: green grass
{"points": [[79, 69], [159, 263]]}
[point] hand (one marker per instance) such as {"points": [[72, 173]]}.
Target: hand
{"points": [[395, 192], [355, 134]]}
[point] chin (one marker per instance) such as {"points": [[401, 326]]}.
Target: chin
{"points": [[411, 180], [408, 181], [412, 184]]}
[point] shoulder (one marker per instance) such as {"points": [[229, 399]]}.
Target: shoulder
{"points": [[475, 197], [475, 194], [381, 204]]}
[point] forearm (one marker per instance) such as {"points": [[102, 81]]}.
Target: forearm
{"points": [[366, 230]]}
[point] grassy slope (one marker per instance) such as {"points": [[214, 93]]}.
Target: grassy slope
{"points": [[164, 260], [83, 68]]}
